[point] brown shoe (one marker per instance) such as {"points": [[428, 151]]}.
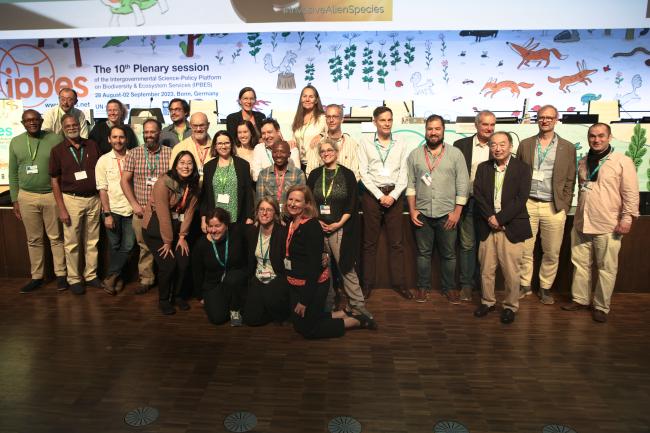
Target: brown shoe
{"points": [[574, 306], [466, 294], [109, 285], [119, 285], [404, 293], [421, 296], [599, 316], [453, 296]]}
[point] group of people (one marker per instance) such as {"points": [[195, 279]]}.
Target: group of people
{"points": [[260, 228]]}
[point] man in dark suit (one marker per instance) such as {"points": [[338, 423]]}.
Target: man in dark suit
{"points": [[501, 188], [476, 150], [553, 163]]}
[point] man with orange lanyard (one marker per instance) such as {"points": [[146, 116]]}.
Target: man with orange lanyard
{"points": [[116, 210], [437, 190], [198, 143], [275, 181], [72, 169]]}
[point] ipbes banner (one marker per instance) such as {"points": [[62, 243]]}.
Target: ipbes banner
{"points": [[265, 11]]}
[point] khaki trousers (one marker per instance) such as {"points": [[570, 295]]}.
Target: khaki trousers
{"points": [[550, 225], [495, 251], [84, 227], [603, 250], [145, 261], [38, 211], [350, 279]]}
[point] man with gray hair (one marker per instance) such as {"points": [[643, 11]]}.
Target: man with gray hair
{"points": [[53, 118], [347, 146]]}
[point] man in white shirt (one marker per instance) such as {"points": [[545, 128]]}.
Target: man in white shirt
{"points": [[67, 101], [382, 167], [262, 153]]}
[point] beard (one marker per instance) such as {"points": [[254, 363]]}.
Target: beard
{"points": [[151, 144], [200, 136], [435, 144]]}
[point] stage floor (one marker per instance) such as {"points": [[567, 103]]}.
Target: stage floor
{"points": [[78, 364]]}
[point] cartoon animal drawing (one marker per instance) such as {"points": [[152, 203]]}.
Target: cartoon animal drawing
{"points": [[570, 80], [636, 83], [528, 53], [420, 87], [492, 87], [132, 7], [285, 65], [479, 34], [588, 97]]}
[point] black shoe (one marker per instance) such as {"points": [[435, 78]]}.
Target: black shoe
{"points": [[61, 284], [574, 306], [31, 286], [95, 282], [144, 288], [77, 288], [166, 308], [483, 309], [181, 304], [365, 321], [507, 316], [404, 293]]}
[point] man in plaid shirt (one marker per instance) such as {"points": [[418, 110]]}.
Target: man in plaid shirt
{"points": [[275, 181], [142, 168]]}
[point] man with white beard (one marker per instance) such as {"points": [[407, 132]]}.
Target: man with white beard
{"points": [[198, 143]]}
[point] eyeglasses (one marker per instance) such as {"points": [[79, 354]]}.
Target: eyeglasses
{"points": [[176, 109], [223, 143], [325, 151], [248, 99], [66, 99], [545, 119], [199, 127], [35, 120], [266, 210]]}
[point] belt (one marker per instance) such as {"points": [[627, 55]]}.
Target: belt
{"points": [[539, 200], [81, 194], [387, 189]]}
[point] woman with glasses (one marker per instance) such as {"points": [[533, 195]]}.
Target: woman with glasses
{"points": [[219, 265], [308, 123], [247, 100], [226, 182], [268, 291], [307, 277], [336, 194], [166, 223], [246, 139]]}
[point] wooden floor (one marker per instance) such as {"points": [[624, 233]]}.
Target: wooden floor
{"points": [[79, 364]]}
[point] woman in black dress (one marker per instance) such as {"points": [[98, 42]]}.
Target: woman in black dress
{"points": [[247, 99]]}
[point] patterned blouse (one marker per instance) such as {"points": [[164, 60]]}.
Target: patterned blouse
{"points": [[224, 185]]}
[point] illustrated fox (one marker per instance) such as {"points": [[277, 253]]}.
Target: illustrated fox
{"points": [[492, 87], [529, 54], [570, 80]]}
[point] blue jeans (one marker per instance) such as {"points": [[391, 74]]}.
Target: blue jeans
{"points": [[468, 246], [121, 239], [433, 232]]}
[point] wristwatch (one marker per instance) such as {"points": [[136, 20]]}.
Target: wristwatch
{"points": [[106, 214]]}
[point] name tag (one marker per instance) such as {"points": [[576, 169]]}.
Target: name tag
{"points": [[384, 171], [325, 209], [174, 215], [287, 264], [426, 178], [80, 175], [151, 180], [200, 171], [223, 198], [31, 169], [281, 207], [538, 175]]}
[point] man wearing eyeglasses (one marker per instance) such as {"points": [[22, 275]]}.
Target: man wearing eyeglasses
{"points": [[32, 198], [52, 118], [198, 143], [553, 164], [180, 129], [348, 147]]}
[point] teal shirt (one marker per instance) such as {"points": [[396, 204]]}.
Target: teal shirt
{"points": [[20, 159]]}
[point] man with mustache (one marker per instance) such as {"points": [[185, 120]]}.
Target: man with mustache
{"points": [[198, 144], [180, 129]]}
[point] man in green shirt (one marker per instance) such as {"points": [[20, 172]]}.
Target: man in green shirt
{"points": [[31, 195]]}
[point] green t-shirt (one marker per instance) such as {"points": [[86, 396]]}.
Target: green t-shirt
{"points": [[29, 160]]}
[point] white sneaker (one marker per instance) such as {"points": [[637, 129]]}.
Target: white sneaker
{"points": [[235, 318]]}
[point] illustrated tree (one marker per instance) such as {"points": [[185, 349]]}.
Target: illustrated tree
{"points": [[636, 148], [65, 43], [188, 47], [255, 44]]}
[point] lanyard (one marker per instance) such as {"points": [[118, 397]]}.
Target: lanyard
{"points": [[326, 193], [600, 164], [201, 155], [279, 183], [384, 157], [292, 229], [499, 185], [268, 154], [436, 159], [221, 180], [74, 155], [181, 205], [29, 148], [542, 156], [119, 166], [223, 262], [264, 254], [152, 169]]}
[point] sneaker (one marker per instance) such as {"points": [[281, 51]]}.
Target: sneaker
{"points": [[31, 286], [574, 306], [453, 297], [166, 308], [507, 316], [182, 304], [96, 283], [421, 296], [61, 284], [524, 291], [599, 316], [77, 288], [235, 318], [545, 297], [466, 294], [483, 310]]}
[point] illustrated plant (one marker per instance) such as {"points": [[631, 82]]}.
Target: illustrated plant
{"points": [[443, 44], [394, 51], [428, 57], [382, 64], [335, 64], [152, 44], [219, 56], [310, 70], [301, 39], [637, 149], [409, 51], [349, 54], [255, 44], [367, 64], [445, 68], [317, 40], [274, 40], [237, 51]]}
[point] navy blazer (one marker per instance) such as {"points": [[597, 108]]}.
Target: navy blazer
{"points": [[465, 146]]}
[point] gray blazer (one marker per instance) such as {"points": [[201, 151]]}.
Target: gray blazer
{"points": [[564, 169]]}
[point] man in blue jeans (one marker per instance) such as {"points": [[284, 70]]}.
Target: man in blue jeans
{"points": [[437, 190]]}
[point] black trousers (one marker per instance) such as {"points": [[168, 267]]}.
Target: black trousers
{"points": [[267, 302], [171, 270], [222, 297], [317, 323]]}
